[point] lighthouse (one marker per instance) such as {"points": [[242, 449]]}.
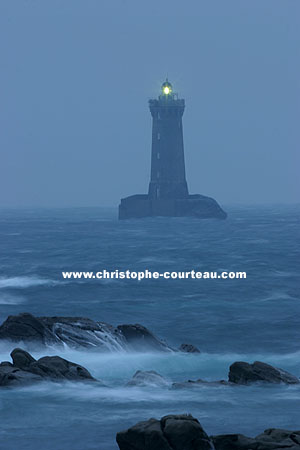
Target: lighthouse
{"points": [[168, 191], [167, 159]]}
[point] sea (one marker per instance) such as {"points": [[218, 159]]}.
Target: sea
{"points": [[257, 318]]}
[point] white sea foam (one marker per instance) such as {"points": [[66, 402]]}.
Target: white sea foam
{"points": [[24, 282]]}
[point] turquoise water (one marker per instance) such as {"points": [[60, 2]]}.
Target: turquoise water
{"points": [[229, 320]]}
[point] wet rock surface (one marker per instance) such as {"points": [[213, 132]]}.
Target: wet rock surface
{"points": [[174, 432], [270, 439], [27, 328], [78, 332], [184, 432], [139, 337], [189, 348], [245, 373], [26, 370]]}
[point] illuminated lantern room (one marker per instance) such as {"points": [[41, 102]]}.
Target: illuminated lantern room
{"points": [[166, 88]]}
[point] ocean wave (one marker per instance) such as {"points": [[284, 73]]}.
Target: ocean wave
{"points": [[278, 295], [282, 273], [11, 300], [24, 282], [153, 259]]}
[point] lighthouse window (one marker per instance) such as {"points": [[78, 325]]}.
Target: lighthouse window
{"points": [[158, 155], [158, 174], [158, 136], [158, 116]]}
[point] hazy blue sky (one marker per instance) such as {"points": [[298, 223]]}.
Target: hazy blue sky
{"points": [[76, 76]]}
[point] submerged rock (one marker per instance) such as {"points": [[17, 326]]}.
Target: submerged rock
{"points": [[189, 348], [25, 369], [245, 373], [78, 332], [147, 378], [174, 432]]}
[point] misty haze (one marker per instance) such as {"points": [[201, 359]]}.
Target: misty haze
{"points": [[75, 82]]}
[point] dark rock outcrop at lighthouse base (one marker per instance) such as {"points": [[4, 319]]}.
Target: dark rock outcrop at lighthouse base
{"points": [[199, 206]]}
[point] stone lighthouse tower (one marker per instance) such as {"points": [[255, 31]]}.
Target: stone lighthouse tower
{"points": [[168, 192], [167, 162]]}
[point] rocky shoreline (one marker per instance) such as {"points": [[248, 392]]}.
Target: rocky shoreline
{"points": [[77, 332], [173, 432], [184, 432]]}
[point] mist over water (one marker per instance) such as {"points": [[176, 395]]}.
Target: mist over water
{"points": [[229, 320]]}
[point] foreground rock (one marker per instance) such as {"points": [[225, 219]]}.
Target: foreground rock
{"points": [[177, 432], [147, 378], [244, 373], [188, 348], [184, 432], [25, 369], [78, 332], [271, 439]]}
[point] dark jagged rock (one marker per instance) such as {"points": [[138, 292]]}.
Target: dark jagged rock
{"points": [[233, 442], [285, 437], [26, 328], [25, 369], [182, 432], [140, 338], [77, 332], [199, 383], [245, 373], [147, 378], [21, 358], [189, 348], [271, 439], [174, 432]]}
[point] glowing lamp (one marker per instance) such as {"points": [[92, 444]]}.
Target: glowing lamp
{"points": [[166, 88]]}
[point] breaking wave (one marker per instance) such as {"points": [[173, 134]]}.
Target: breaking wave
{"points": [[24, 282]]}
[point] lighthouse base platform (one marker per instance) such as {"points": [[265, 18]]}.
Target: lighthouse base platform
{"points": [[199, 206]]}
